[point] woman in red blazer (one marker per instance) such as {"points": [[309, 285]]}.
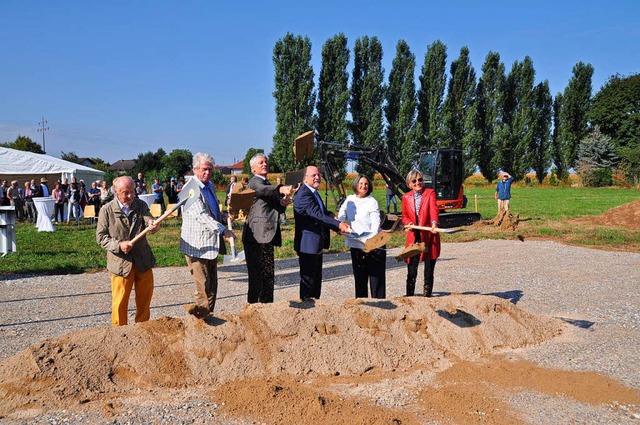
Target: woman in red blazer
{"points": [[419, 207]]}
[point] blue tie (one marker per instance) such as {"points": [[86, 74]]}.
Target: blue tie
{"points": [[212, 202], [319, 199]]}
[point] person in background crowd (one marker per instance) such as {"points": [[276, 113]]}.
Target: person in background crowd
{"points": [[362, 213], [74, 202], [312, 224], [158, 191], [44, 188], [64, 186], [172, 191], [93, 196], [82, 189], [419, 207], [200, 238], [503, 192], [16, 199], [129, 265], [391, 199], [140, 189], [105, 194], [261, 231], [4, 199], [30, 208], [61, 199], [230, 186], [140, 181]]}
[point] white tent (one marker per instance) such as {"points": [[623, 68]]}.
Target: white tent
{"points": [[23, 166]]}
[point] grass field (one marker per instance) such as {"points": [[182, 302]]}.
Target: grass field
{"points": [[546, 212]]}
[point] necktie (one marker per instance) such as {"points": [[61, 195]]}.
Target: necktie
{"points": [[212, 202], [319, 199]]}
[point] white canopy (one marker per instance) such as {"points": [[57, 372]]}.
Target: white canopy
{"points": [[22, 166]]}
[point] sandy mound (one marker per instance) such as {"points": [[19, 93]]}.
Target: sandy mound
{"points": [[262, 342], [626, 216]]}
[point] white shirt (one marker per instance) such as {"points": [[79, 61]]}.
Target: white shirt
{"points": [[363, 215]]}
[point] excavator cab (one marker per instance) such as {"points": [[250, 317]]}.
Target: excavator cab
{"points": [[442, 170]]}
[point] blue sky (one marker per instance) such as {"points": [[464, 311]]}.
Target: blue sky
{"points": [[115, 79]]}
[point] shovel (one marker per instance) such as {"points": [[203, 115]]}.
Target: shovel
{"points": [[437, 229], [232, 259], [186, 198]]}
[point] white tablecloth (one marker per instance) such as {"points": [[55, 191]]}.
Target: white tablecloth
{"points": [[44, 206], [148, 198]]}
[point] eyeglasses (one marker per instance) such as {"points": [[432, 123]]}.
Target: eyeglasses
{"points": [[420, 180]]}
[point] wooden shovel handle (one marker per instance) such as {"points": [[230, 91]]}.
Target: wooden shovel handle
{"points": [[437, 229], [159, 220]]}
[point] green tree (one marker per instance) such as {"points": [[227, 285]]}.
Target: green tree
{"points": [[400, 108], [596, 159], [541, 129], [515, 153], [488, 115], [560, 168], [333, 93], [177, 163], [70, 156], [433, 80], [23, 143], [150, 164], [294, 95], [458, 121], [367, 95], [573, 114], [616, 110], [246, 166]]}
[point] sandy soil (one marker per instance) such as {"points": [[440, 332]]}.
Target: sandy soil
{"points": [[532, 332]]}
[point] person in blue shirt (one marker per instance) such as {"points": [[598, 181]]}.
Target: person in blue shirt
{"points": [[158, 191], [503, 192]]}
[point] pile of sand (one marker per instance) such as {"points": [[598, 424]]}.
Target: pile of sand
{"points": [[626, 216], [283, 340]]}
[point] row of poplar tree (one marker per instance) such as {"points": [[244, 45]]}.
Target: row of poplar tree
{"points": [[501, 121]]}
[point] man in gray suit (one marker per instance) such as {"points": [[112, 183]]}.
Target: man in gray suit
{"points": [[200, 240], [262, 230]]}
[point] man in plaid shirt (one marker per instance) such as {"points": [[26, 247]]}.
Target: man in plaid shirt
{"points": [[200, 239]]}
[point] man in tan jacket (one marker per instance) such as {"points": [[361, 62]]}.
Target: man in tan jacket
{"points": [[129, 265]]}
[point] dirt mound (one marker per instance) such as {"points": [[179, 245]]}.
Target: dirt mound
{"points": [[504, 220], [264, 342], [626, 216]]}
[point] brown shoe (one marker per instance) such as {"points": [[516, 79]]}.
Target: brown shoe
{"points": [[196, 310]]}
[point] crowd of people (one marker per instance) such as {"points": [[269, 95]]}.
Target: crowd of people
{"points": [[206, 226]]}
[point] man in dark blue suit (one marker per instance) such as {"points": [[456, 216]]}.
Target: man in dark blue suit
{"points": [[313, 223]]}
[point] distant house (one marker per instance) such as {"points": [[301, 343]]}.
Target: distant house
{"points": [[234, 169], [123, 166], [87, 162]]}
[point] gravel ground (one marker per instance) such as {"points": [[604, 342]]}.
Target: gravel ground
{"points": [[594, 291]]}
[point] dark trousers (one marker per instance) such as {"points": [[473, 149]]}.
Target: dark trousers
{"points": [[260, 266], [310, 275], [58, 214], [369, 267], [412, 273]]}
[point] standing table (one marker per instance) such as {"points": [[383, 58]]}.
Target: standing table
{"points": [[44, 206]]}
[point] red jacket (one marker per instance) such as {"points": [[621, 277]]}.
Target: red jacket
{"points": [[428, 213]]}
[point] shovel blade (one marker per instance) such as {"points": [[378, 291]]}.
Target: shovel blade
{"points": [[229, 260]]}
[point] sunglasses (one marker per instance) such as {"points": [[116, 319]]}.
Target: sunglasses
{"points": [[417, 180]]}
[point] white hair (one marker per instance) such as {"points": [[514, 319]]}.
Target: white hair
{"points": [[255, 157], [202, 157]]}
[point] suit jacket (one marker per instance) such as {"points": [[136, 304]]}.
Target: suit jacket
{"points": [[200, 236], [312, 223], [428, 213], [263, 224], [114, 227]]}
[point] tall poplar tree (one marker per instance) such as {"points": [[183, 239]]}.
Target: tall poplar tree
{"points": [[458, 121], [515, 152], [294, 95], [333, 93], [433, 80], [400, 108], [573, 114], [367, 95], [541, 128], [561, 170], [488, 120]]}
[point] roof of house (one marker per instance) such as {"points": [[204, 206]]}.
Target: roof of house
{"points": [[123, 164]]}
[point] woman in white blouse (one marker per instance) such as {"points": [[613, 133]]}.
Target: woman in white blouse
{"points": [[362, 213]]}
